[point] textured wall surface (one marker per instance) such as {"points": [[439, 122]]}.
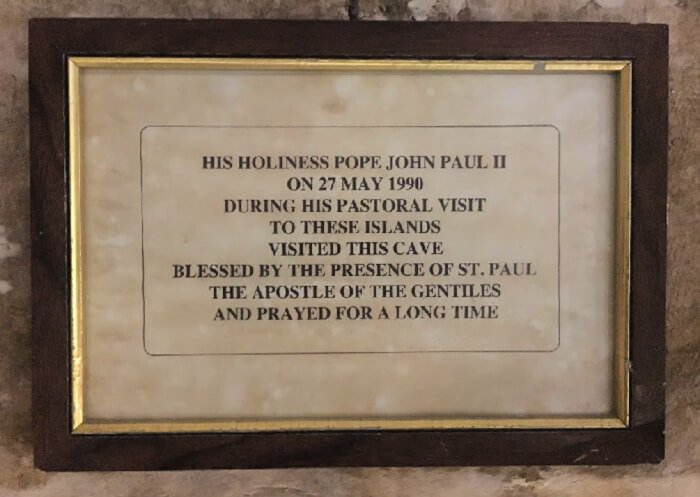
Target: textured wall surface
{"points": [[679, 475]]}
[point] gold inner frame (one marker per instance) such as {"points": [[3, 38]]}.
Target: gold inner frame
{"points": [[618, 419]]}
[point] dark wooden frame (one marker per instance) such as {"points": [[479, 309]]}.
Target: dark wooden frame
{"points": [[51, 41]]}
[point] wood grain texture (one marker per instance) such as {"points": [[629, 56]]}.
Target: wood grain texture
{"points": [[52, 40]]}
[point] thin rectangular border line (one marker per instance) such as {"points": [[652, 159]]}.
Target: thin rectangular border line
{"points": [[620, 419], [357, 352]]}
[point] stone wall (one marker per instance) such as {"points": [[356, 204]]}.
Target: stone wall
{"points": [[679, 475]]}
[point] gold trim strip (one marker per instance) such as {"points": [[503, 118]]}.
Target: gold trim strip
{"points": [[273, 64], [75, 180], [622, 241], [586, 65], [343, 424], [622, 247]]}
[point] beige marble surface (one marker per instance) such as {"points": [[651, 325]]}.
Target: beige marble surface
{"points": [[569, 369], [679, 475]]}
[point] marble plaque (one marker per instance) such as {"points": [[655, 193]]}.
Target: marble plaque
{"points": [[345, 243]]}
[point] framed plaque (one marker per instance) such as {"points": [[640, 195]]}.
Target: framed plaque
{"points": [[274, 243]]}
